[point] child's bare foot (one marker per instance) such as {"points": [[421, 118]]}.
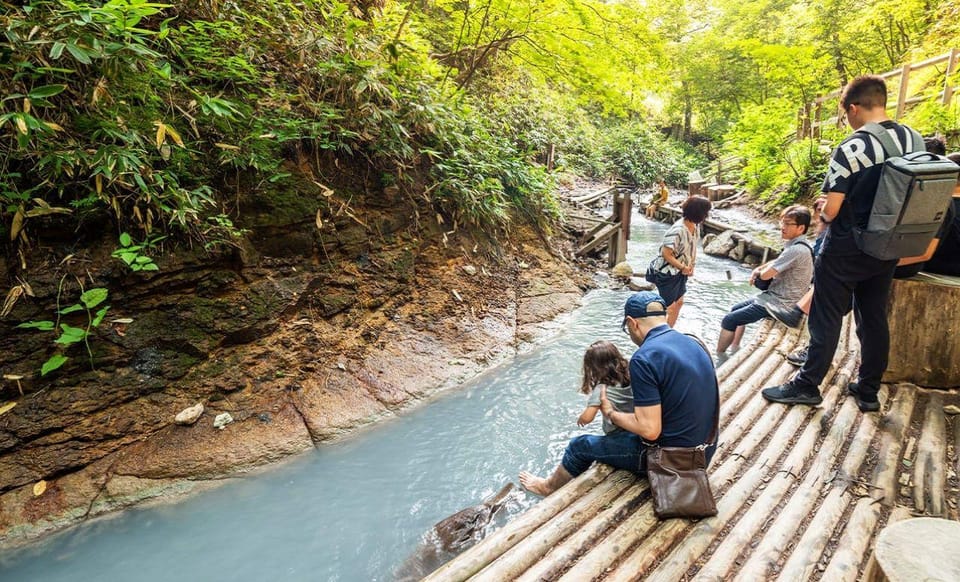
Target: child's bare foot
{"points": [[534, 484]]}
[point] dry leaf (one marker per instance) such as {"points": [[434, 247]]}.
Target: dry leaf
{"points": [[161, 133], [17, 224], [7, 407], [319, 219], [226, 146], [39, 487], [951, 409], [123, 320]]}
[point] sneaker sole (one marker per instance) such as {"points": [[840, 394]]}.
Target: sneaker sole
{"points": [[809, 400], [863, 405]]}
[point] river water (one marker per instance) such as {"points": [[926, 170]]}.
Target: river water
{"points": [[356, 509]]}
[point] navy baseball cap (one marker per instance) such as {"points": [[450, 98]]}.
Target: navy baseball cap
{"points": [[636, 306]]}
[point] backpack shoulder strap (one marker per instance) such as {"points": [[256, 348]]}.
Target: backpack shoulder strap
{"points": [[809, 248], [878, 131], [914, 139]]}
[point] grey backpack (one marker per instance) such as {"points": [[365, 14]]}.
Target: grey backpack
{"points": [[912, 198]]}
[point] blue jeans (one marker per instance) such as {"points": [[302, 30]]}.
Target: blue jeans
{"points": [[620, 449], [743, 313]]}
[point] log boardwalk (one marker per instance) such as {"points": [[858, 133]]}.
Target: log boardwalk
{"points": [[802, 492]]}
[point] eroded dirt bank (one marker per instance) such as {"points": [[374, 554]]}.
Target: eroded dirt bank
{"points": [[302, 337]]}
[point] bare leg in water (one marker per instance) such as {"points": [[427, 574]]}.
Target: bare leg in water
{"points": [[542, 486], [673, 312]]}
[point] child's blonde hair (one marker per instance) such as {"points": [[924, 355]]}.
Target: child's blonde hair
{"points": [[604, 364]]}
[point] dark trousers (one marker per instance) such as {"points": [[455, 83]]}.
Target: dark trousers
{"points": [[836, 280]]}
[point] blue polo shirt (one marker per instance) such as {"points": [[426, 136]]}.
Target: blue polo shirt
{"points": [[673, 370]]}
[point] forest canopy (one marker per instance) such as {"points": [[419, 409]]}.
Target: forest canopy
{"points": [[173, 116]]}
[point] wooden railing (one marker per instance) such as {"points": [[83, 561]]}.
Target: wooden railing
{"points": [[716, 170], [810, 120]]}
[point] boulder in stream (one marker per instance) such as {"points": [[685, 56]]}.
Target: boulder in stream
{"points": [[623, 270], [188, 416], [722, 244]]}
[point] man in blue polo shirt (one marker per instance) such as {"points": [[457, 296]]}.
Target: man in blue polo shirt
{"points": [[674, 392]]}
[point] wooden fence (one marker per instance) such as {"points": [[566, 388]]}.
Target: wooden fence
{"points": [[810, 119]]}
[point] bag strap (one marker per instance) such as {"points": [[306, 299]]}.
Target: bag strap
{"points": [[813, 255], [712, 439], [890, 147]]}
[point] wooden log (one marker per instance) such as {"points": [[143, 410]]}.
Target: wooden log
{"points": [[893, 429], [650, 550], [778, 478], [929, 478], [870, 571], [591, 197], [473, 560], [693, 187], [845, 563], [609, 550], [764, 339], [600, 238], [904, 551], [653, 547], [924, 341], [775, 541], [585, 538], [517, 559]]}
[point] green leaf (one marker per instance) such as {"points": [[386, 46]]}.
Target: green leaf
{"points": [[150, 267], [100, 315], [70, 335], [94, 297], [73, 308], [56, 50], [41, 325], [78, 53], [125, 239], [128, 257], [46, 91], [52, 364], [142, 259]]}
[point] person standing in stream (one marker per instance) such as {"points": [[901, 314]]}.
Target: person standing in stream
{"points": [[678, 255]]}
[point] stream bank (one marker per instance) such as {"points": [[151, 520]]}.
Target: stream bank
{"points": [[301, 337]]}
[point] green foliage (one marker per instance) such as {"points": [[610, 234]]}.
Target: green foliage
{"points": [[130, 254], [66, 335]]}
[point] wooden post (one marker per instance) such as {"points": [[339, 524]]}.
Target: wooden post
{"points": [[947, 85], [626, 209], [924, 341], [902, 99], [551, 150], [719, 171]]}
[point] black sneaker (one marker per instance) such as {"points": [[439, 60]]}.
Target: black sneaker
{"points": [[790, 394], [798, 357], [789, 317], [865, 402]]}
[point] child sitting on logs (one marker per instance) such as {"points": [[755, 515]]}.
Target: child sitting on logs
{"points": [[603, 364]]}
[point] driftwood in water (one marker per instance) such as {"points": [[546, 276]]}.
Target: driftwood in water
{"points": [[514, 532], [924, 332], [523, 555], [452, 535]]}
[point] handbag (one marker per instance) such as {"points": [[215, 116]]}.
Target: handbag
{"points": [[655, 275], [678, 476]]}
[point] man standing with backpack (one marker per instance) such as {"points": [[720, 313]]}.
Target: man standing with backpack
{"points": [[844, 271]]}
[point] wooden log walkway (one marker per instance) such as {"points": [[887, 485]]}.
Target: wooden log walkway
{"points": [[802, 492]]}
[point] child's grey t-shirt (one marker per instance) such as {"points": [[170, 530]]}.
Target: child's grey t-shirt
{"points": [[621, 397]]}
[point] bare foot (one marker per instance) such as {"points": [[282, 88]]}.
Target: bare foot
{"points": [[534, 484]]}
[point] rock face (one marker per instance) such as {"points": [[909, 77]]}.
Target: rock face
{"points": [[303, 340]]}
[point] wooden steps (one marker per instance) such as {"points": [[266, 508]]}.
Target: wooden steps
{"points": [[801, 491]]}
